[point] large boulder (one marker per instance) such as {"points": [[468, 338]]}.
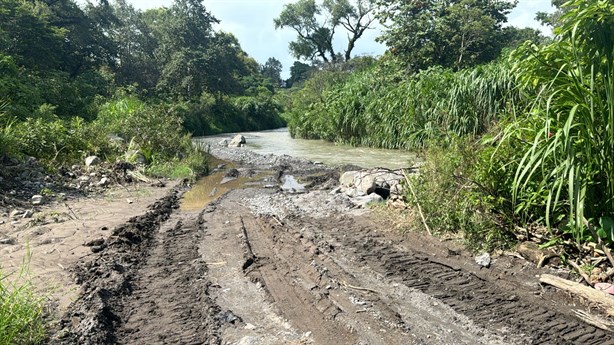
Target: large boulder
{"points": [[237, 141], [365, 183]]}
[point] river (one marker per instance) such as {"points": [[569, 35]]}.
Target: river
{"points": [[279, 142]]}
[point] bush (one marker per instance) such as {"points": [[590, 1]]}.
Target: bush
{"points": [[56, 141], [155, 130], [455, 197]]}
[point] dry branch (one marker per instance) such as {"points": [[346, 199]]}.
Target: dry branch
{"points": [[417, 203], [599, 297]]}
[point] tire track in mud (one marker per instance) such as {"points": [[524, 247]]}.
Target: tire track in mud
{"points": [[316, 293], [146, 285], [487, 304]]}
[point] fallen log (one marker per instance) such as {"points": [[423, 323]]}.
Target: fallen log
{"points": [[599, 297]]}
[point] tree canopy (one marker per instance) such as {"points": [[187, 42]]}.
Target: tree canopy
{"points": [[316, 25], [451, 33]]}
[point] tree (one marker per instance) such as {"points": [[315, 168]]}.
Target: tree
{"points": [[450, 33], [28, 37], [553, 19], [316, 24], [299, 72], [272, 69]]}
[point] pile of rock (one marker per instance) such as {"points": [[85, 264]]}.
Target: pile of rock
{"points": [[372, 185]]}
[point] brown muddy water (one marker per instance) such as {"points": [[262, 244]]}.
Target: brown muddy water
{"points": [[279, 142]]}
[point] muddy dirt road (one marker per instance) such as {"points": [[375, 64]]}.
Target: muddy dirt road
{"points": [[259, 265]]}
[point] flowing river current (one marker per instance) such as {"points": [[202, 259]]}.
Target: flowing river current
{"points": [[279, 142]]}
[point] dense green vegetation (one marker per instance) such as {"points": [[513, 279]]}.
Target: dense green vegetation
{"points": [[513, 133], [107, 78]]}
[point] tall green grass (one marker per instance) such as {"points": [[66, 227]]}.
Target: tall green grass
{"points": [[21, 310], [383, 107], [566, 164]]}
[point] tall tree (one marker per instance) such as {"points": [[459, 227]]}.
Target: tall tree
{"points": [[316, 24], [272, 69], [451, 33]]}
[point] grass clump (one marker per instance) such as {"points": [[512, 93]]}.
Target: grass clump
{"points": [[456, 197], [21, 311]]}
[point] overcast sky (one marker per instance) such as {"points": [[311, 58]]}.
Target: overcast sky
{"points": [[251, 21]]}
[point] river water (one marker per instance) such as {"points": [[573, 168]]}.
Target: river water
{"points": [[279, 142]]}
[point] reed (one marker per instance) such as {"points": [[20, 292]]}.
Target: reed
{"points": [[567, 164]]}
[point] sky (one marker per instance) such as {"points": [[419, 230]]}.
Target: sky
{"points": [[251, 21]]}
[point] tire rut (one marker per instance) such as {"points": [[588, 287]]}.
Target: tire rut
{"points": [[145, 285], [482, 301]]}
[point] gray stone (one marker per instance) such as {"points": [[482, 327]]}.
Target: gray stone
{"points": [[92, 160], [365, 183], [28, 214], [103, 182], [223, 142], [347, 178], [37, 199], [237, 141], [84, 178], [483, 260]]}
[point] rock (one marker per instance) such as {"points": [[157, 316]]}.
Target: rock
{"points": [[84, 178], [95, 242], [223, 143], [249, 326], [237, 141], [483, 260], [335, 191], [37, 199], [232, 173], [365, 183], [103, 182], [347, 178], [28, 214], [91, 161]]}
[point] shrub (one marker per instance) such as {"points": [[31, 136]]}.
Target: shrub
{"points": [[455, 197]]}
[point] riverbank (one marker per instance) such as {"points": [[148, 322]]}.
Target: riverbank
{"points": [[264, 265]]}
